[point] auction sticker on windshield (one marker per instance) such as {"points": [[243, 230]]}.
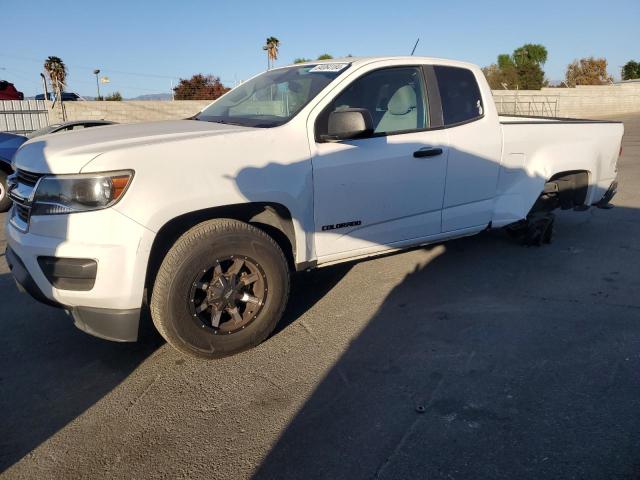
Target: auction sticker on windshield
{"points": [[329, 67]]}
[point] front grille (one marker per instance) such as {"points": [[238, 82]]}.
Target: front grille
{"points": [[21, 197], [28, 178], [22, 212]]}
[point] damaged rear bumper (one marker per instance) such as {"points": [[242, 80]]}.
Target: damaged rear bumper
{"points": [[608, 196]]}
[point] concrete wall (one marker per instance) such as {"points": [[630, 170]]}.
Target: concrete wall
{"points": [[129, 111], [579, 102]]}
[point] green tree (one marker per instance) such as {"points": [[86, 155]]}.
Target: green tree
{"points": [[114, 97], [271, 46], [505, 61], [631, 70], [301, 60], [530, 76], [325, 56], [530, 53], [199, 87], [588, 71], [520, 70]]}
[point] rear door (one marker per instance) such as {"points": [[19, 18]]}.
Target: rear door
{"points": [[376, 191], [475, 144]]}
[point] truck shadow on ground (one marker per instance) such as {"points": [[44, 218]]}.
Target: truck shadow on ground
{"points": [[490, 361], [52, 372]]}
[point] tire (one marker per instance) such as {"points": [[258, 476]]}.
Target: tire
{"points": [[5, 202], [221, 289]]}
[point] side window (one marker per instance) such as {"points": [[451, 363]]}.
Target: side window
{"points": [[459, 94], [394, 97]]}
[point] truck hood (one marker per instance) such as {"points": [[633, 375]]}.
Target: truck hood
{"points": [[69, 152]]}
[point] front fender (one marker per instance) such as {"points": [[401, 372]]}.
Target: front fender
{"points": [[176, 178]]}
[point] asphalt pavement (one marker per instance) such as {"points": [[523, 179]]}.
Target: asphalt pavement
{"points": [[476, 358]]}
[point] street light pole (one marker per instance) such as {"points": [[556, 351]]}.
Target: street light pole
{"points": [[96, 72], [44, 86]]}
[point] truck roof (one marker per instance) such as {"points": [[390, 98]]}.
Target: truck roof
{"points": [[359, 61]]}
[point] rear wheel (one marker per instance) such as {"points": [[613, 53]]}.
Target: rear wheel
{"points": [[5, 202], [221, 289]]}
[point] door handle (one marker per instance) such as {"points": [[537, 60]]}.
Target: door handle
{"points": [[427, 152]]}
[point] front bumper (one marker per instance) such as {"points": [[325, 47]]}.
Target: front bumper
{"points": [[110, 324], [24, 280], [120, 247]]}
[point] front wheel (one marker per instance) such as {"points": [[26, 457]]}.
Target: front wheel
{"points": [[221, 289], [5, 202]]}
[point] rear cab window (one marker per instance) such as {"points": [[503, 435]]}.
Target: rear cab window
{"points": [[459, 94]]}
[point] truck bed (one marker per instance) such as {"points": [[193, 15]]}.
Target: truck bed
{"points": [[527, 119], [535, 148]]}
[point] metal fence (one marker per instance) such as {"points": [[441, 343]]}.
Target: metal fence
{"points": [[515, 105], [23, 116]]}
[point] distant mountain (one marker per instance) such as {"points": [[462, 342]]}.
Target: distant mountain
{"points": [[153, 96]]}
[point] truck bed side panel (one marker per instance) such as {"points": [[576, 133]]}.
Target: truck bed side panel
{"points": [[536, 149]]}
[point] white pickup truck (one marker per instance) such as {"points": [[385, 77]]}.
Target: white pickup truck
{"points": [[205, 219]]}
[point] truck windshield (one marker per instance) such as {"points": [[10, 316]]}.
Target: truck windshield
{"points": [[273, 98]]}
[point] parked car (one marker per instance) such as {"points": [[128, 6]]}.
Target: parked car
{"points": [[297, 168], [9, 144], [8, 91], [66, 96]]}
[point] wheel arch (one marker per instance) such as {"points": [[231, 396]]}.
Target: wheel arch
{"points": [[565, 190], [572, 187], [273, 218]]}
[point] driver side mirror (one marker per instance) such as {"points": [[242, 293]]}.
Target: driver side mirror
{"points": [[348, 124]]}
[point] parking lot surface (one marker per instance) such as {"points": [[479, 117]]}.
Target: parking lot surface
{"points": [[477, 358]]}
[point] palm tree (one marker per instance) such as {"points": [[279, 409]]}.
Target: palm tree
{"points": [[271, 47], [57, 71]]}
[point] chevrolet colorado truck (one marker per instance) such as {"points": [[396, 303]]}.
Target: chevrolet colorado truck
{"points": [[204, 220]]}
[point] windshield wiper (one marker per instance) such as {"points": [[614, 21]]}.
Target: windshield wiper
{"points": [[226, 122]]}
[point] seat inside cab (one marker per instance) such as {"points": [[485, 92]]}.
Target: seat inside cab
{"points": [[394, 97]]}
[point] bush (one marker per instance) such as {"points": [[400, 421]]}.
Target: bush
{"points": [[200, 87], [631, 70], [588, 71], [114, 97]]}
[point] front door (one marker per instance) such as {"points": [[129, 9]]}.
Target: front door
{"points": [[373, 192]]}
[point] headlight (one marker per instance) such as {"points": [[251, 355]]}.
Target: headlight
{"points": [[79, 193]]}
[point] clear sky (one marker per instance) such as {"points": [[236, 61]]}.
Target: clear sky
{"points": [[143, 46]]}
